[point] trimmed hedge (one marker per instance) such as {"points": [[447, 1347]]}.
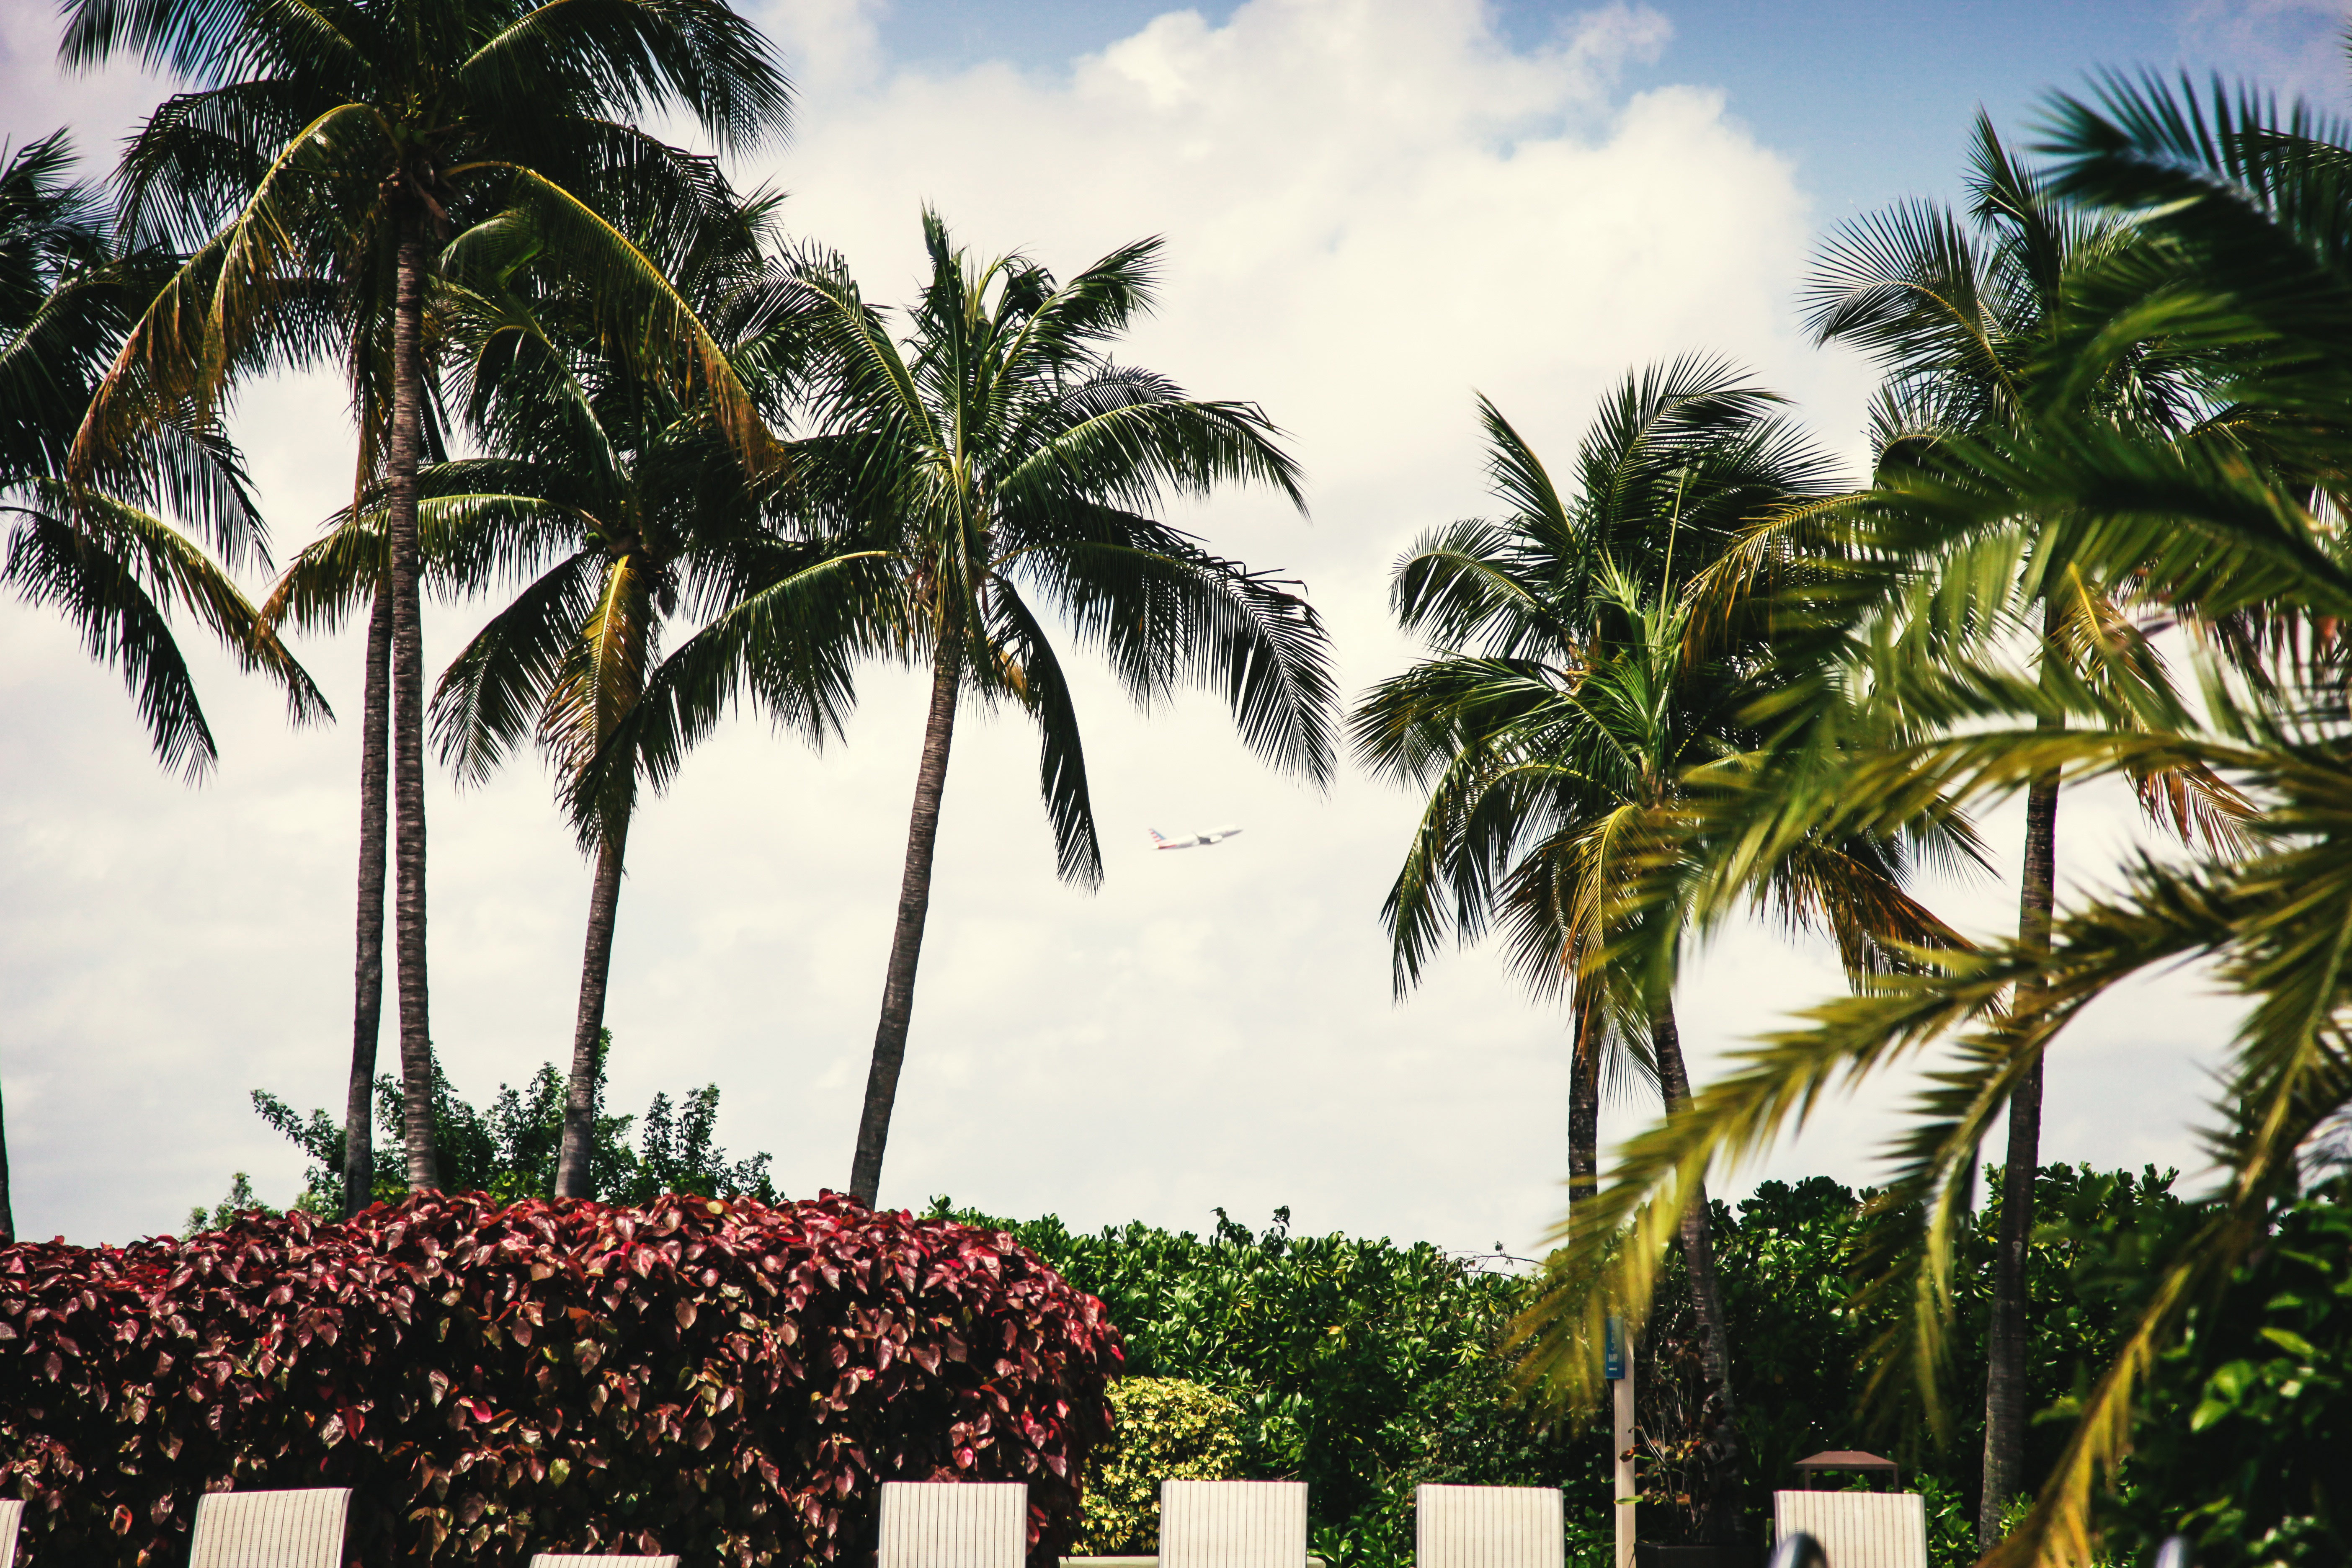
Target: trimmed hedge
{"points": [[1166, 1428], [720, 1379]]}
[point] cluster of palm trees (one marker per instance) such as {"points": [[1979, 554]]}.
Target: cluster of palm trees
{"points": [[2104, 537], [1697, 674], [586, 369]]}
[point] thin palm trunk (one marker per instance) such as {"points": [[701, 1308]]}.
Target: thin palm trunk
{"points": [[907, 940], [2005, 1380], [409, 703], [1719, 1512], [1584, 1102], [7, 1210], [367, 982], [575, 1175], [1698, 1241]]}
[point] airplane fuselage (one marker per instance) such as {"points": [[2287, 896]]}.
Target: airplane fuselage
{"points": [[1206, 835]]}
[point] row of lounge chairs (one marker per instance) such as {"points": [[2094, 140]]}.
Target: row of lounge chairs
{"points": [[1202, 1524], [286, 1530]]}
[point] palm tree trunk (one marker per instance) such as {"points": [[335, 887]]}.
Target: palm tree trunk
{"points": [[1720, 1511], [2005, 1380], [574, 1168], [367, 984], [408, 702], [7, 1210], [1698, 1241], [907, 940], [1584, 1103]]}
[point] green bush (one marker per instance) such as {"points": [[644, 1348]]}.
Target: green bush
{"points": [[1162, 1428], [510, 1150], [240, 1201], [2232, 1446], [1360, 1367], [1364, 1368]]}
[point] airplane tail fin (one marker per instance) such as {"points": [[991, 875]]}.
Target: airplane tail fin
{"points": [[1156, 839]]}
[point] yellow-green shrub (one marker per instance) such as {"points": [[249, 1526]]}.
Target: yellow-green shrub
{"points": [[1160, 1428]]}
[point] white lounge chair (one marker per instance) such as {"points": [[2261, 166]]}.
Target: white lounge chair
{"points": [[592, 1560], [11, 1514], [1232, 1524], [1487, 1527], [270, 1530], [954, 1524], [1857, 1529]]}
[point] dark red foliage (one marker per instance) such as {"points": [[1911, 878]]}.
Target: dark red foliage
{"points": [[723, 1380]]}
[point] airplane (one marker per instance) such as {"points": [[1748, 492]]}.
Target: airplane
{"points": [[1206, 835]]}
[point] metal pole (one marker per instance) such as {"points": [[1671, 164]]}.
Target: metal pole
{"points": [[1620, 1367]]}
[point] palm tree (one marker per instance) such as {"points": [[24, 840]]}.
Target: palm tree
{"points": [[622, 506], [1571, 697], [1963, 316], [104, 551], [314, 172], [650, 515], [998, 456], [2236, 527]]}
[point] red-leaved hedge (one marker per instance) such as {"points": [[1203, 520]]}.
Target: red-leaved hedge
{"points": [[720, 1379]]}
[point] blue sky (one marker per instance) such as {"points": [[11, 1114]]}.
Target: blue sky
{"points": [[1873, 97], [1373, 209]]}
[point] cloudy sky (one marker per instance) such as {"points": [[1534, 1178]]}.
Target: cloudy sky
{"points": [[1373, 209]]}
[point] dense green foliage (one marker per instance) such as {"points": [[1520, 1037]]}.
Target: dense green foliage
{"points": [[1162, 1428], [1365, 1368], [1805, 1346], [2244, 1448], [510, 1150], [1359, 1367]]}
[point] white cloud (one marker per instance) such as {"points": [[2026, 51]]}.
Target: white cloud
{"points": [[1371, 208], [2292, 47]]}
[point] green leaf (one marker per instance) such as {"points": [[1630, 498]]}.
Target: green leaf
{"points": [[2289, 1340]]}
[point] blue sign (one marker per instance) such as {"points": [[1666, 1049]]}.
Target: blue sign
{"points": [[1613, 1351]]}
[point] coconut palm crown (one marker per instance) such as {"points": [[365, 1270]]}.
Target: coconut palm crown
{"points": [[1573, 692], [321, 161], [1007, 468]]}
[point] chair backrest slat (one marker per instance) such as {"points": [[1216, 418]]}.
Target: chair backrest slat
{"points": [[954, 1524], [1232, 1524], [270, 1530], [1858, 1530], [12, 1516], [1487, 1527]]}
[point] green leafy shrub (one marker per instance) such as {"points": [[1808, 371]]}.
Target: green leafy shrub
{"points": [[1365, 1368], [1360, 1367], [239, 1201], [1802, 1349], [510, 1149], [1162, 1428], [727, 1380], [2233, 1447]]}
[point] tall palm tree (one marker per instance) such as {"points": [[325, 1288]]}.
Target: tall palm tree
{"points": [[620, 505], [105, 552], [314, 593], [1572, 694], [998, 456], [650, 515], [2236, 526], [1962, 315], [323, 157]]}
